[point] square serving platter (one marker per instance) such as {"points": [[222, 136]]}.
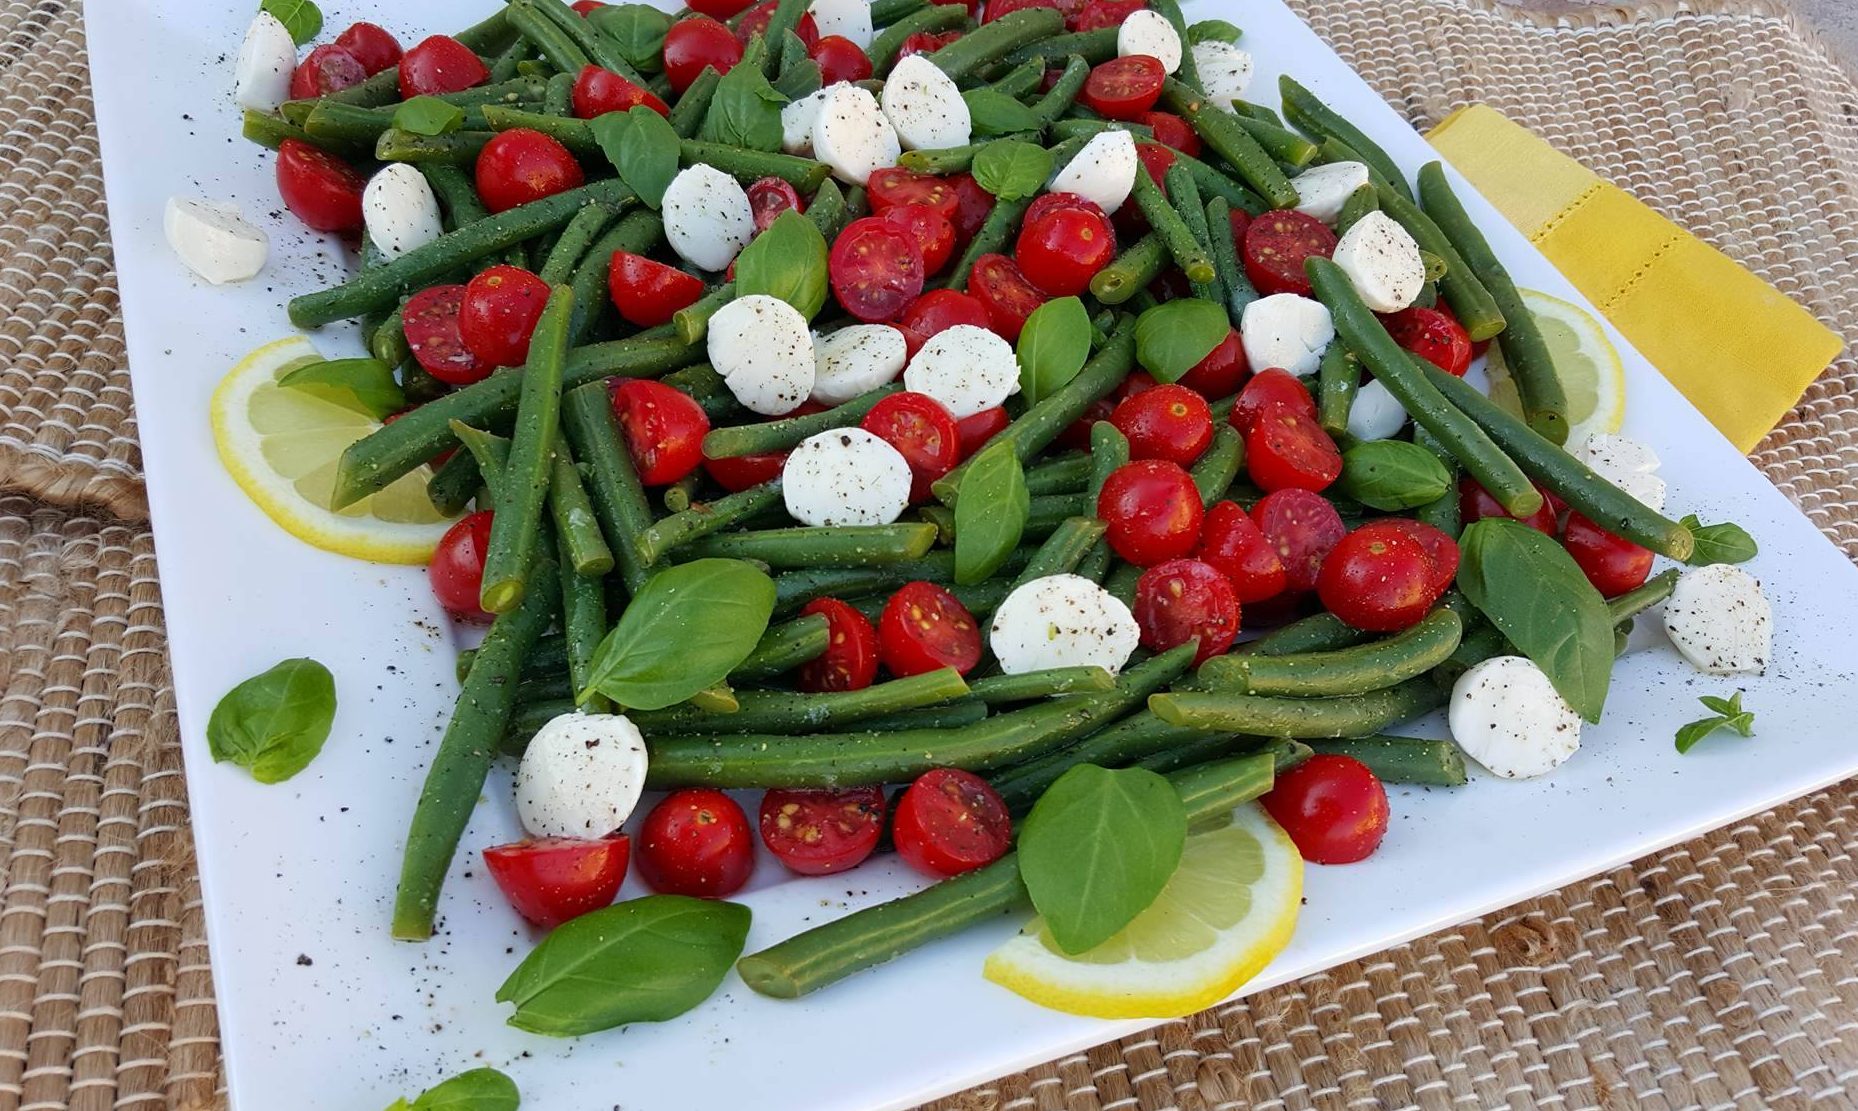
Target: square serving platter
{"points": [[319, 1008]]}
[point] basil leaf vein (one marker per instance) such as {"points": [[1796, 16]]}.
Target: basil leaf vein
{"points": [[1011, 169], [995, 113], [1727, 542], [1392, 475], [746, 111], [643, 147]]}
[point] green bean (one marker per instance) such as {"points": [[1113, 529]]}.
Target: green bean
{"points": [[1281, 143], [1186, 250], [803, 78], [332, 123], [462, 761], [584, 626], [1441, 513], [793, 52], [491, 452], [886, 12], [1073, 538], [748, 166], [1188, 71], [953, 715], [828, 546], [1184, 196], [1337, 380], [782, 435], [1302, 108], [1028, 685], [889, 42], [1321, 632], [703, 518], [693, 320], [270, 131], [503, 66], [453, 485], [1257, 111], [1131, 272], [1021, 80], [786, 18], [830, 208], [1063, 91], [1211, 181], [784, 647], [397, 145], [1225, 250], [1109, 450], [1367, 337], [687, 115], [1222, 132], [576, 239], [1094, 46], [995, 39], [636, 232], [1002, 221], [599, 49], [556, 47], [1343, 671], [618, 498], [514, 530], [573, 514], [1088, 127], [1471, 302], [796, 588], [1354, 716], [1220, 746], [954, 160], [864, 939], [490, 35], [781, 711], [1403, 759], [1219, 465], [456, 192], [1125, 742], [1063, 475], [1362, 201]]}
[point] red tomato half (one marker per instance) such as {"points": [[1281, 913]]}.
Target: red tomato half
{"points": [[1377, 580], [739, 472], [586, 7], [1476, 503], [983, 426], [599, 91], [520, 165], [1333, 808], [1124, 88], [721, 9], [1098, 14], [949, 822], [849, 662], [923, 433], [1276, 245], [1167, 422], [647, 292], [664, 429], [1231, 542], [840, 59], [371, 45], [893, 186], [1222, 372], [819, 832], [1157, 160], [498, 315], [695, 43], [997, 283], [1172, 131], [1271, 386], [876, 269], [1302, 527], [552, 879], [1153, 511], [923, 628], [972, 205], [1434, 335], [457, 568], [1288, 448], [696, 842], [327, 69], [431, 319], [934, 235], [1612, 564], [941, 309], [768, 197], [755, 22], [320, 189], [1182, 599], [927, 42], [440, 64], [1062, 248]]}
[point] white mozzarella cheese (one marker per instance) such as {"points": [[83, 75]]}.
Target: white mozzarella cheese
{"points": [[848, 18], [707, 217], [1150, 33], [966, 368], [856, 360], [1062, 621], [1375, 415], [1382, 262], [1225, 71], [924, 106], [1286, 331], [798, 118], [1627, 464], [267, 58], [845, 476], [851, 135], [1322, 190], [1507, 716], [400, 209], [1103, 171], [214, 240], [1720, 620], [764, 351], [1647, 488], [581, 776]]}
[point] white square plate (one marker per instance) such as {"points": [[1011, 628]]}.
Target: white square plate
{"points": [[320, 1009]]}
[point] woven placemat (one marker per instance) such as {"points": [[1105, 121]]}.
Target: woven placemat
{"points": [[1720, 973]]}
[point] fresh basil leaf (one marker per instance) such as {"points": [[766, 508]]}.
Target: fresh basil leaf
{"points": [[1052, 347], [1174, 336], [786, 261], [991, 515], [746, 111], [685, 629], [1011, 169], [1731, 705], [300, 17], [1097, 848], [1392, 475], [802, 79], [274, 723], [643, 147], [1535, 594], [428, 115], [637, 31], [400, 1105], [359, 385], [645, 960], [995, 113], [1212, 30], [1724, 543], [478, 1090]]}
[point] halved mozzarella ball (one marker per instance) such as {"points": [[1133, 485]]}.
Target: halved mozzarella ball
{"points": [[267, 58], [763, 349], [1507, 716], [966, 368], [581, 776], [1225, 71], [1062, 621], [1102, 172], [1322, 190], [851, 135], [1286, 331], [848, 18], [1375, 415], [214, 240], [924, 106], [1720, 620], [1649, 489], [1382, 262], [845, 476], [798, 118], [707, 217], [1611, 455], [400, 209], [855, 360], [1150, 33]]}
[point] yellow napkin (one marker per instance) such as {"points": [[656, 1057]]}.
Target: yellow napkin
{"points": [[1733, 344]]}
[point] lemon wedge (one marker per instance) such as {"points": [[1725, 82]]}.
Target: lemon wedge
{"points": [[1585, 360]]}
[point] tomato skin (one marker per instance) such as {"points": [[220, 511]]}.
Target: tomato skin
{"points": [[647, 292], [1287, 448], [927, 42], [457, 568], [975, 431], [1441, 550], [1271, 386], [1172, 131], [768, 197], [1153, 511], [721, 9], [755, 22], [972, 205], [598, 91], [1380, 581], [320, 189], [664, 429], [1061, 249], [1124, 88], [1276, 245], [819, 832], [849, 662], [876, 269], [440, 64], [1168, 422], [696, 842], [501, 306], [1182, 599], [840, 59], [941, 309], [949, 822], [925, 628], [521, 165], [739, 472], [1076, 435], [1612, 564], [549, 880], [1222, 372], [1232, 544], [433, 322], [325, 70], [1434, 335], [1333, 808], [998, 8], [923, 433], [1476, 503], [934, 235], [1009, 298], [1302, 528], [1098, 14], [586, 7], [1156, 159], [370, 44], [694, 43], [892, 186]]}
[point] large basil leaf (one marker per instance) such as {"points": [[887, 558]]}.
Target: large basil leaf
{"points": [[637, 31], [686, 628], [646, 960], [746, 111], [991, 515], [1174, 336], [274, 723], [1011, 169], [643, 147], [1727, 542], [1535, 594], [1097, 848], [360, 385], [786, 261], [995, 113], [478, 1090], [1052, 348], [300, 17], [1392, 475]]}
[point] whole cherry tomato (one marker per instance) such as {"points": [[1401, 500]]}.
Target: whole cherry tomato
{"points": [[840, 59], [941, 309], [1222, 372], [457, 568], [819, 832], [327, 69], [1098, 14], [696, 842], [924, 628], [1157, 160], [647, 292], [1232, 543], [755, 22], [926, 42], [552, 879], [694, 43], [1612, 564], [498, 315], [849, 662], [1182, 599], [1287, 448], [923, 433], [1333, 808], [522, 165], [1441, 550], [1434, 335], [371, 45], [599, 91], [1124, 88], [949, 822], [664, 429], [1168, 422], [1153, 511], [768, 197], [440, 64], [320, 189], [1061, 249], [1271, 386], [1380, 581]]}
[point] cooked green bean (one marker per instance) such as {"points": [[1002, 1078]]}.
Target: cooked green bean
{"points": [[554, 44], [954, 160], [1184, 196], [584, 626], [491, 453], [1225, 250], [1403, 759], [1064, 90], [886, 12], [1362, 201], [1222, 132], [1188, 72], [1281, 143], [636, 232], [454, 484], [1303, 718], [456, 192], [1320, 632], [1213, 182], [270, 131], [1181, 242], [576, 238], [832, 546], [1109, 450], [599, 49], [1471, 302], [1094, 46], [490, 35], [693, 320], [1338, 379], [953, 715], [687, 114], [704, 518], [1213, 473], [1442, 513], [995, 39], [1066, 474], [783, 647], [781, 711], [1344, 671], [1302, 108], [515, 527], [397, 145], [618, 498], [889, 42], [1028, 685], [992, 237], [573, 513], [1131, 272], [781, 435], [1062, 550]]}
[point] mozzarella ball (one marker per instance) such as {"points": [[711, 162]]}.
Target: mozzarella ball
{"points": [[1225, 71], [1322, 190], [400, 210], [856, 359], [845, 476], [1507, 716], [924, 106], [1720, 620], [707, 217], [851, 134], [1382, 262], [267, 58], [1062, 621], [764, 351], [1150, 33], [1102, 172], [581, 776], [966, 368], [214, 240], [849, 19], [1375, 415], [798, 118], [1286, 331]]}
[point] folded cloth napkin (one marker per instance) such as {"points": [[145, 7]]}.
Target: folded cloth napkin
{"points": [[1733, 344]]}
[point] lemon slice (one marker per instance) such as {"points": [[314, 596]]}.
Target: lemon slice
{"points": [[1227, 910], [281, 447], [1585, 360]]}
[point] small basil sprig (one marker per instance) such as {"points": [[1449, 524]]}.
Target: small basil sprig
{"points": [[646, 960], [428, 115], [1536, 595], [300, 17], [786, 261], [686, 628], [1097, 848], [991, 515], [1052, 347], [746, 111], [995, 113], [1212, 30], [1727, 542], [274, 723], [1172, 337], [1392, 475], [478, 1090], [643, 147], [364, 386], [1010, 169], [637, 31], [1728, 715]]}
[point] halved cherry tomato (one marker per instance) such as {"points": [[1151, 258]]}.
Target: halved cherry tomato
{"points": [[1098, 14], [691, 44], [320, 189], [1167, 422], [647, 292], [755, 22], [1434, 335], [664, 429], [1271, 386], [934, 235], [923, 628], [923, 433], [1286, 448], [876, 269], [894, 185], [1222, 372], [1333, 808], [1172, 131], [769, 197], [721, 9], [1379, 580], [972, 205], [736, 473], [521, 165], [431, 319], [1241, 222], [440, 64], [1231, 543], [457, 568], [1476, 503], [498, 314], [849, 662], [1441, 549], [840, 59], [598, 91], [1276, 245], [913, 340], [696, 842], [1124, 88], [998, 284], [1182, 599], [552, 879], [1302, 528], [371, 45], [1153, 511], [927, 42], [975, 431], [819, 832], [1061, 249], [1156, 159], [949, 822], [941, 309], [1612, 564], [327, 69]]}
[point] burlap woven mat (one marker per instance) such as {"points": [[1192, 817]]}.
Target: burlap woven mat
{"points": [[1720, 973]]}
